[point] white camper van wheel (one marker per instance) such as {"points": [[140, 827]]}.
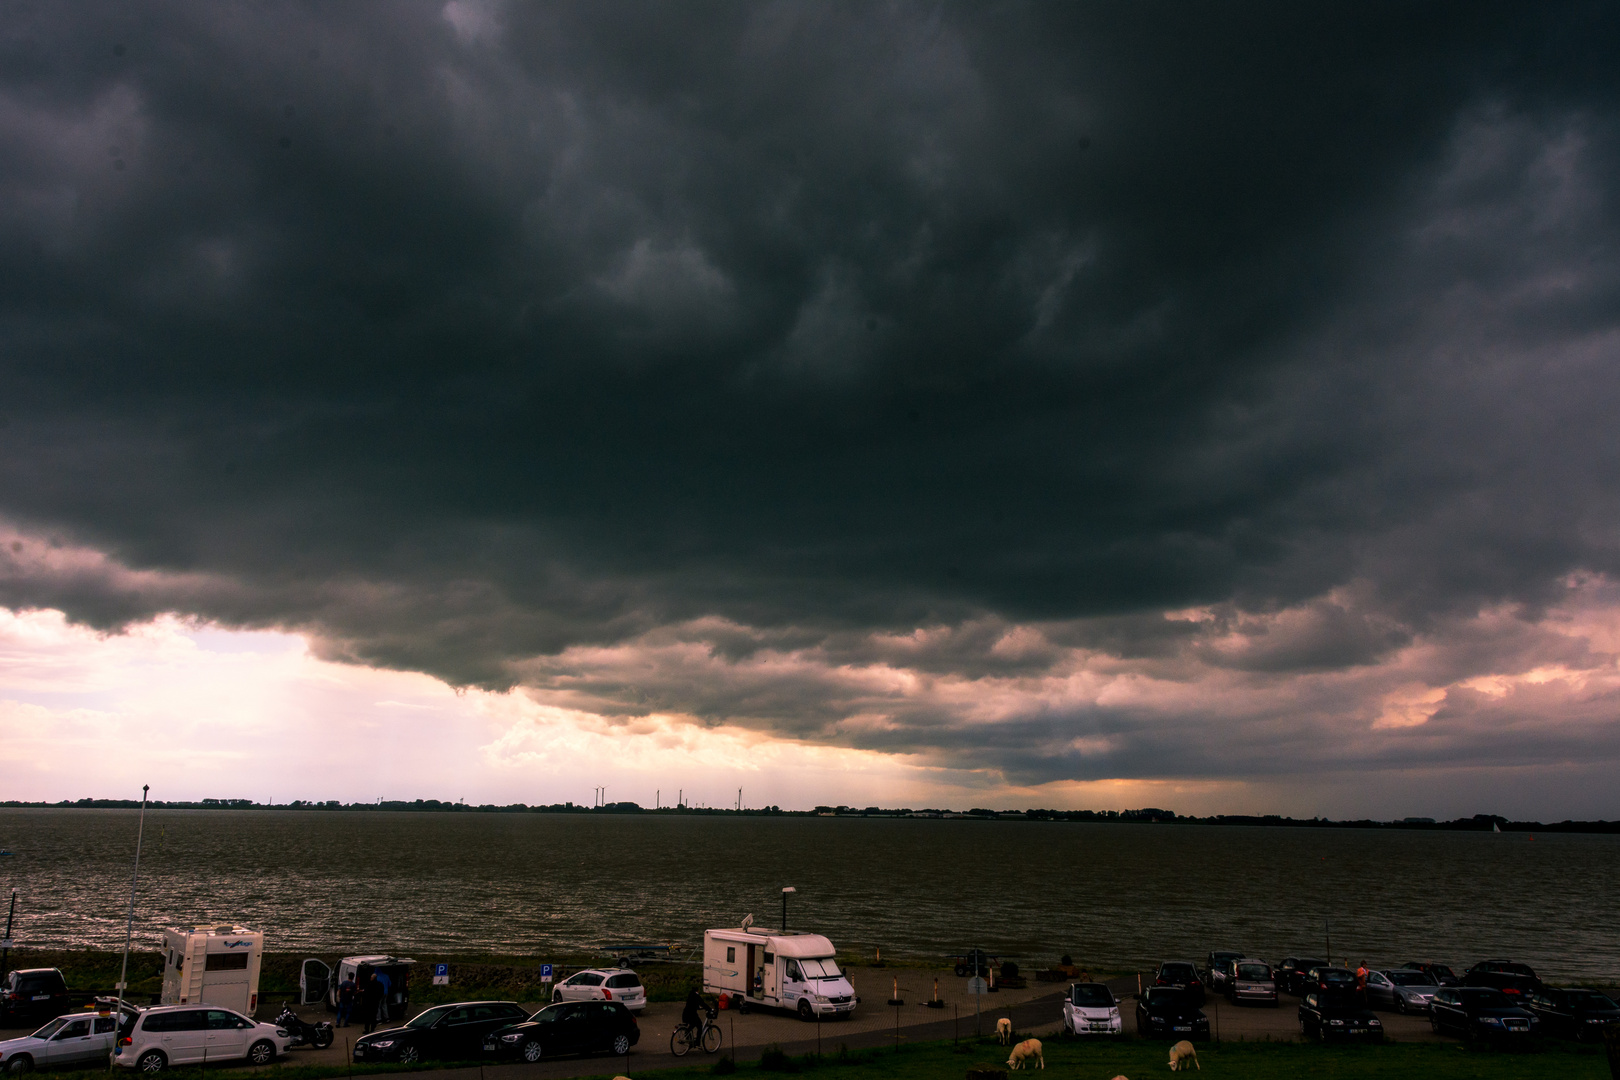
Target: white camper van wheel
{"points": [[804, 1010]]}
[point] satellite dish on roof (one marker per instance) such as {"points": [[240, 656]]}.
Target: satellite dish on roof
{"points": [[748, 920]]}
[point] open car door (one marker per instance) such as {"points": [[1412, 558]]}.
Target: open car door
{"points": [[314, 978]]}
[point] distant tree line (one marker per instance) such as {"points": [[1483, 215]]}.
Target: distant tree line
{"points": [[1147, 815]]}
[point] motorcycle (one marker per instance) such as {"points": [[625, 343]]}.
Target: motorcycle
{"points": [[303, 1032]]}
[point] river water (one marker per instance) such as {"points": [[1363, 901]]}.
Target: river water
{"points": [[1114, 896]]}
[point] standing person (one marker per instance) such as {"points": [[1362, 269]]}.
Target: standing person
{"points": [[345, 998], [371, 1003], [1361, 983]]}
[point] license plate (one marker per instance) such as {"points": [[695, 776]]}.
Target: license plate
{"points": [[1188, 1028], [42, 997], [1100, 1025]]}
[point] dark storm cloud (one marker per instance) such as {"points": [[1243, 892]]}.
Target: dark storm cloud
{"points": [[460, 335]]}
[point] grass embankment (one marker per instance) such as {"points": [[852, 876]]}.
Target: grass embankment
{"points": [[1074, 1057]]}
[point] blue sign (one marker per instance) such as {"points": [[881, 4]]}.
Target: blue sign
{"points": [[545, 972], [441, 969]]}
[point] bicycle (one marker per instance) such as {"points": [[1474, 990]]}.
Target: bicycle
{"points": [[705, 1033]]}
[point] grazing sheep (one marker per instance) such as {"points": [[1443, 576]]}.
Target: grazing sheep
{"points": [[1004, 1031], [1180, 1054], [1024, 1052]]}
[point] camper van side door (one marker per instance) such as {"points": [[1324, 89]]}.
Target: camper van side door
{"points": [[313, 980]]}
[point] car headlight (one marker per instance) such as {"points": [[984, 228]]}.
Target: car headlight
{"points": [[282, 1033], [1493, 1021], [382, 1044], [516, 1036], [1375, 1023], [1336, 1023]]}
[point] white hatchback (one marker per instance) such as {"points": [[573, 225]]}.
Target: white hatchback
{"points": [[1091, 1009], [187, 1034], [74, 1039], [603, 984]]}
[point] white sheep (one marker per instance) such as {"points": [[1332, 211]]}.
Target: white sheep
{"points": [[1180, 1054], [1024, 1052], [1004, 1031]]}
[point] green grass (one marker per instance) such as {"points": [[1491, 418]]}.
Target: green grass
{"points": [[1080, 1058]]}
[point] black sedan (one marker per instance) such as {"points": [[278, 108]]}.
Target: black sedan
{"points": [[1477, 1012], [1168, 1013], [1292, 972], [569, 1027], [455, 1032], [1574, 1014], [1327, 1016]]}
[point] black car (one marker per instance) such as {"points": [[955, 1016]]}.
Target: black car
{"points": [[1517, 981], [1181, 975], [569, 1027], [1291, 973], [1335, 982], [1335, 1016], [1166, 1012], [1478, 1012], [455, 1032], [1440, 973], [32, 995], [1216, 967], [1576, 1014]]}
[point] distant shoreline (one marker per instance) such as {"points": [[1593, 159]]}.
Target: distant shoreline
{"points": [[1147, 816]]}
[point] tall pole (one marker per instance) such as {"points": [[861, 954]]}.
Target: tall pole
{"points": [[5, 960], [129, 927]]}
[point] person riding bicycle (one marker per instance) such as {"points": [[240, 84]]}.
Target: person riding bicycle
{"points": [[696, 1008]]}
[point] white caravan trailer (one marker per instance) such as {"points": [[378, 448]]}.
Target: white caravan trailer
{"points": [[317, 982], [213, 965], [780, 969]]}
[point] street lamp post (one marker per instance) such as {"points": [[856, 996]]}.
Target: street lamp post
{"points": [[129, 927], [786, 890]]}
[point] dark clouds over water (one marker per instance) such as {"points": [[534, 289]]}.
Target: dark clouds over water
{"points": [[962, 341]]}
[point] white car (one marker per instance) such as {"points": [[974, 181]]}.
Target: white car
{"points": [[1091, 1009], [186, 1034], [603, 984], [68, 1040]]}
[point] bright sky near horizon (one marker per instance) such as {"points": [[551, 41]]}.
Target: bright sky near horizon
{"points": [[1064, 405]]}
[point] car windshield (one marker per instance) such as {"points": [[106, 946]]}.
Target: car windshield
{"points": [[1307, 964], [546, 1015], [1254, 972], [1590, 999], [1093, 997], [1179, 972], [1162, 997], [1410, 978], [51, 1028], [1486, 999], [429, 1017], [1329, 975], [1223, 957], [824, 967]]}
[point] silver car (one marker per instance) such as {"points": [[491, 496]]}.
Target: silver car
{"points": [[75, 1039], [1252, 981], [1406, 990]]}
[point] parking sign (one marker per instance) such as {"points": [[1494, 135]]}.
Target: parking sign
{"points": [[441, 974], [545, 973]]}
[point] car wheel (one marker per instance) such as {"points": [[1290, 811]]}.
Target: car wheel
{"points": [[410, 1055], [262, 1052], [20, 1064], [621, 1045], [153, 1061], [805, 1012], [532, 1051], [1400, 1005]]}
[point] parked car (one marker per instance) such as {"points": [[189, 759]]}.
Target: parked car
{"points": [[1333, 981], [30, 995], [1252, 980], [167, 1035], [1440, 973], [1478, 1012], [1091, 1009], [1575, 1014], [455, 1032], [74, 1039], [1181, 975], [1327, 1016], [604, 984], [1292, 971], [1166, 1012], [1217, 969], [570, 1027], [1406, 990], [1517, 981]]}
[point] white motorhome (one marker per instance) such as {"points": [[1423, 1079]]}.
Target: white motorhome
{"points": [[318, 982], [777, 969], [213, 965]]}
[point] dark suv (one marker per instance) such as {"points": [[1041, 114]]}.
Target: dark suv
{"points": [[1217, 969], [32, 995], [1291, 973], [1181, 976], [1517, 981], [1336, 982]]}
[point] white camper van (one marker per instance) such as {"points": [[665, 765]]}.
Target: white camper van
{"points": [[317, 982], [780, 969], [213, 965]]}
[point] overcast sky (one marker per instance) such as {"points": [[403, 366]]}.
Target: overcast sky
{"points": [[1202, 405]]}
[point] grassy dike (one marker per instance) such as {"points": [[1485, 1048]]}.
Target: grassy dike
{"points": [[1074, 1058]]}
